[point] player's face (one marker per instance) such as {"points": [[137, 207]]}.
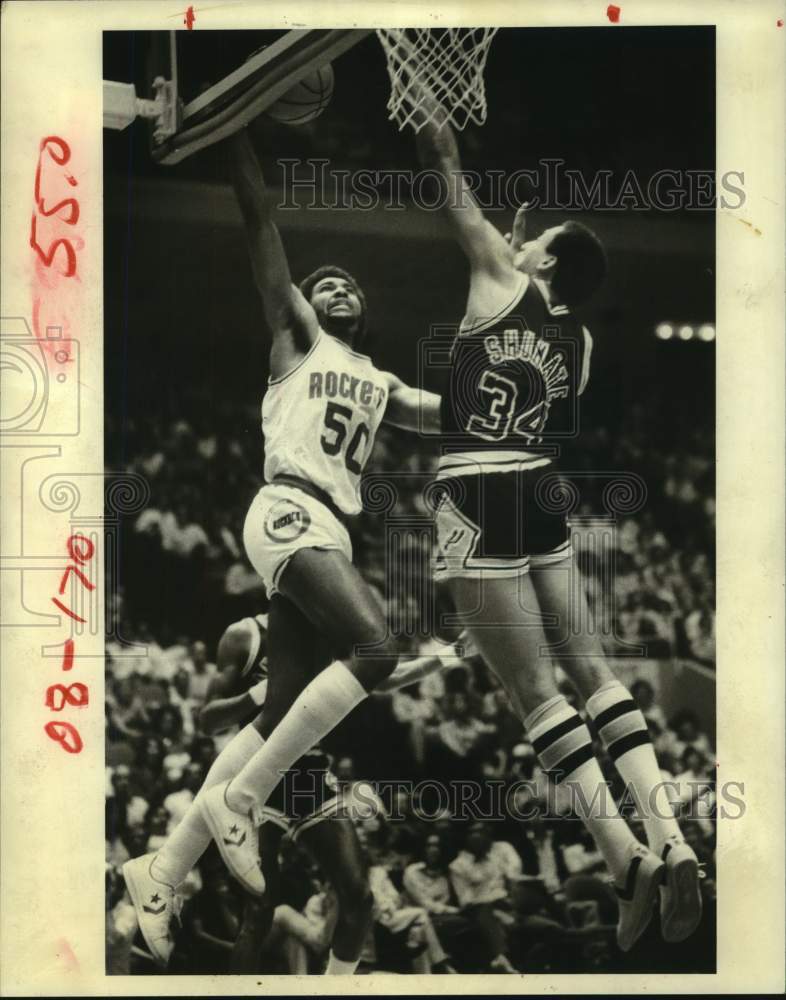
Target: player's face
{"points": [[336, 304], [533, 256]]}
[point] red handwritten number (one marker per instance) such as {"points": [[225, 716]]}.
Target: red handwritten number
{"points": [[51, 144], [48, 256], [68, 655], [75, 551], [80, 548], [68, 611], [66, 735], [67, 697], [55, 140], [82, 579]]}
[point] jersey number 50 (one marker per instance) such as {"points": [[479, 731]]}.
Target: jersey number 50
{"points": [[338, 419]]}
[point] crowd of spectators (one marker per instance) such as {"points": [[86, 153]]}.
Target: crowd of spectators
{"points": [[450, 891], [486, 880], [183, 560]]}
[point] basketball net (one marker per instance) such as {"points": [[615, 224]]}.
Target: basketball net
{"points": [[436, 73]]}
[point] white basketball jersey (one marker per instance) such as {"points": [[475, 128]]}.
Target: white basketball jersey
{"points": [[320, 419]]}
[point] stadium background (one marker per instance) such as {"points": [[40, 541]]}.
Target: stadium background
{"points": [[185, 367]]}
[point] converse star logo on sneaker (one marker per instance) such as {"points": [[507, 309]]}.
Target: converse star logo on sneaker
{"points": [[151, 909], [155, 898], [233, 828], [237, 841]]}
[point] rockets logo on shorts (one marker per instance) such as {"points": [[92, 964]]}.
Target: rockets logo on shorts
{"points": [[286, 521]]}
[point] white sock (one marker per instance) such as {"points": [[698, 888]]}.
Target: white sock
{"points": [[563, 745], [338, 967], [186, 844], [317, 710], [623, 730]]}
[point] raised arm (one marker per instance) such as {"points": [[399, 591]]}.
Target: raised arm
{"points": [[291, 319], [437, 148]]}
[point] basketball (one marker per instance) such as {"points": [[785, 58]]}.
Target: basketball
{"points": [[306, 100]]}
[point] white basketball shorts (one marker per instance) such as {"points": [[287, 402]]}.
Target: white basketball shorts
{"points": [[282, 520]]}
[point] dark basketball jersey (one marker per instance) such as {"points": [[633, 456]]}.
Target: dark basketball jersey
{"points": [[513, 389]]}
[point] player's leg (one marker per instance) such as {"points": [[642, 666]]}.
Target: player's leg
{"points": [[152, 879], [333, 596], [513, 643], [296, 653], [313, 569], [334, 844], [623, 730], [330, 594], [258, 912]]}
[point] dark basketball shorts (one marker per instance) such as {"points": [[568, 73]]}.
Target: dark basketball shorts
{"points": [[495, 524], [306, 795]]}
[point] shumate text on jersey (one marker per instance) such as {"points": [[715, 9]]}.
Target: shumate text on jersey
{"points": [[514, 384], [320, 419]]}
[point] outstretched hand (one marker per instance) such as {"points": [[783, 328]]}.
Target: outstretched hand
{"points": [[519, 234]]}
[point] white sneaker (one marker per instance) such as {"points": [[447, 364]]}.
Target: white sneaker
{"points": [[155, 904], [637, 897], [236, 838], [680, 895]]}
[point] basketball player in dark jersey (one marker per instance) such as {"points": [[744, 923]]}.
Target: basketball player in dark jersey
{"points": [[520, 362]]}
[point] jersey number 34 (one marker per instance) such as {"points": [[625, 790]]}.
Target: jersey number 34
{"points": [[502, 394]]}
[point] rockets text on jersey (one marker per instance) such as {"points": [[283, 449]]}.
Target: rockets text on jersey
{"points": [[320, 420]]}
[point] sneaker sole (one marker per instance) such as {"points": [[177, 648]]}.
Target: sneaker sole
{"points": [[646, 908], [136, 898], [684, 915], [218, 839]]}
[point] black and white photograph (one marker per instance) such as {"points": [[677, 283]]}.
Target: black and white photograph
{"points": [[392, 452], [418, 362]]}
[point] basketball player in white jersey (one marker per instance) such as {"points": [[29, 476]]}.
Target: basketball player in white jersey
{"points": [[323, 406], [301, 806], [519, 363]]}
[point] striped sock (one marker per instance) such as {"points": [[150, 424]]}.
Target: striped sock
{"points": [[563, 745], [623, 730]]}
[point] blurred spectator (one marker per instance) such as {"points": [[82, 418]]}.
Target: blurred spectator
{"points": [[644, 695], [427, 881], [700, 633], [685, 731], [303, 937], [482, 877], [462, 736], [410, 924], [200, 672]]}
